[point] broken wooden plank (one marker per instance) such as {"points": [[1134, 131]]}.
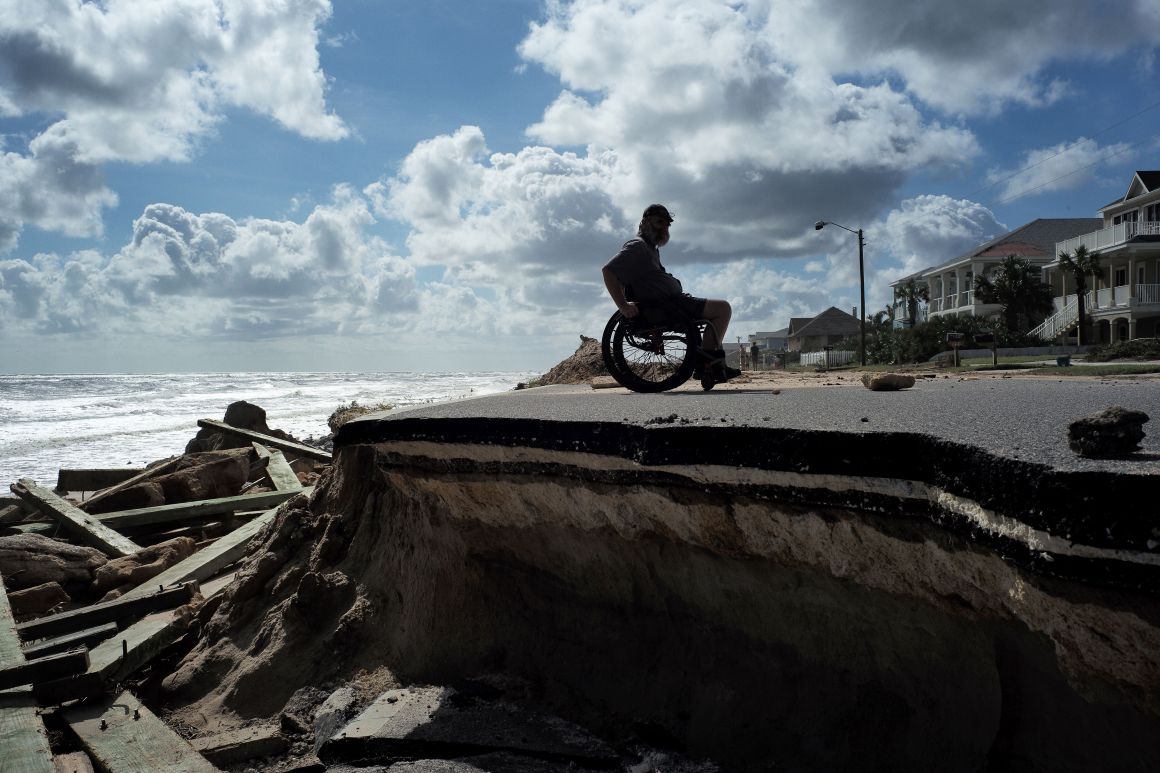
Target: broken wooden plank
{"points": [[73, 762], [84, 527], [22, 734], [208, 561], [298, 449], [118, 610], [44, 669], [13, 512], [278, 470], [94, 479], [176, 513], [117, 658], [86, 638], [149, 472], [123, 735]]}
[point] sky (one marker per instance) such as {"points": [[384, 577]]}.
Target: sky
{"points": [[380, 185]]}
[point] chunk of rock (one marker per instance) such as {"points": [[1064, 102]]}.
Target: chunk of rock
{"points": [[146, 563], [333, 714], [242, 415], [33, 559], [38, 599], [1114, 431], [887, 382]]}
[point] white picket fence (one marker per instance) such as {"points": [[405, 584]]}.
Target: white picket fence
{"points": [[829, 359]]}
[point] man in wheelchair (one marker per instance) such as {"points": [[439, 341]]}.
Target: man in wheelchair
{"points": [[635, 277]]}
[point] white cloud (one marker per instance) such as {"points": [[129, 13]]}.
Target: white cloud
{"points": [[122, 81], [185, 273], [706, 114], [1061, 167]]}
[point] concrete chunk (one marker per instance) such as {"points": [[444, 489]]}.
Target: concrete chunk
{"points": [[440, 722]]}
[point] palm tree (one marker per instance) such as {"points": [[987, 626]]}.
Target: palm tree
{"points": [[911, 292], [1081, 264], [1016, 286]]}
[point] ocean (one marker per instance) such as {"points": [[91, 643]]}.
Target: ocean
{"points": [[100, 421]]}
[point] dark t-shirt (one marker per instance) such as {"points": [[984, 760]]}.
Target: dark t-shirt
{"points": [[638, 267]]}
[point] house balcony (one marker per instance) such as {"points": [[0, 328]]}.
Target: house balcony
{"points": [[1105, 301], [961, 303], [1110, 237]]}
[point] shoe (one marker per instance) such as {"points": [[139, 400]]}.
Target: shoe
{"points": [[706, 360]]}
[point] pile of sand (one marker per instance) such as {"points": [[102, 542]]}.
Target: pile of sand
{"points": [[585, 364]]}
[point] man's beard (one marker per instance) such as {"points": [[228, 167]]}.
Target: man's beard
{"points": [[662, 238]]}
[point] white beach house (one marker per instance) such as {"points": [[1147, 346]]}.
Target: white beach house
{"points": [[1124, 303]]}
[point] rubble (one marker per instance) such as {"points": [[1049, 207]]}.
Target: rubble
{"points": [[887, 382], [98, 585], [1114, 431]]}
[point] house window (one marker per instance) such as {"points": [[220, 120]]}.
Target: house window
{"points": [[1141, 271], [1121, 276]]}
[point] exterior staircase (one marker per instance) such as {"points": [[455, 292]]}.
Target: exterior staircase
{"points": [[1063, 320]]}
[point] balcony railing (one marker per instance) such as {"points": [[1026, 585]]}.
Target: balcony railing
{"points": [[1147, 294], [1109, 237]]}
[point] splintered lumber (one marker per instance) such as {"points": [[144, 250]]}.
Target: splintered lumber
{"points": [[13, 510], [77, 522], [22, 735], [118, 610], [278, 469], [122, 735], [94, 479], [73, 762], [188, 511], [117, 658], [44, 669], [208, 561], [86, 638], [298, 449], [157, 469], [182, 511]]}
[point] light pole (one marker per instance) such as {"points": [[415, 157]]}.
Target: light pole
{"points": [[861, 280]]}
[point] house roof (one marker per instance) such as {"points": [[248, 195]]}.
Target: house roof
{"points": [[1035, 239], [832, 321], [797, 323], [1143, 182], [915, 275], [775, 334]]}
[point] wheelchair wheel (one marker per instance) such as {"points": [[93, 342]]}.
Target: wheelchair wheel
{"points": [[646, 357]]}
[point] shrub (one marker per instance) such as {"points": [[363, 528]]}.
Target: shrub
{"points": [[1139, 349]]}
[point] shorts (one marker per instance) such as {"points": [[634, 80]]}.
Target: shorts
{"points": [[683, 306]]}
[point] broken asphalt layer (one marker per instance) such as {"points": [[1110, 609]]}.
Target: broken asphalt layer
{"points": [[988, 456]]}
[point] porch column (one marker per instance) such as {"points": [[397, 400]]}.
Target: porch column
{"points": [[959, 274]]}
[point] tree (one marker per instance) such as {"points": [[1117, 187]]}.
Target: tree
{"points": [[1016, 286], [1081, 264], [911, 292]]}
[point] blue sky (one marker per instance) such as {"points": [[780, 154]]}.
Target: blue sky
{"points": [[206, 185]]}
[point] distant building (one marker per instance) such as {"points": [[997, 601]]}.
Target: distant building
{"points": [[770, 342], [811, 334], [949, 285], [1125, 302]]}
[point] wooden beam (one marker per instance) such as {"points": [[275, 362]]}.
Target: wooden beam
{"points": [[158, 469], [86, 638], [122, 735], [94, 479], [208, 561], [75, 521], [119, 610], [44, 669], [119, 657], [22, 734], [290, 446], [73, 762], [13, 512], [177, 513], [278, 470]]}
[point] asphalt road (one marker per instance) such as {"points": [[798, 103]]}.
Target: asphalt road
{"points": [[1020, 418]]}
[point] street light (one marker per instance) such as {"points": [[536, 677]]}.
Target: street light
{"points": [[861, 277]]}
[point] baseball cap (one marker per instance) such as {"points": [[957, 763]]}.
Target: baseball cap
{"points": [[657, 210]]}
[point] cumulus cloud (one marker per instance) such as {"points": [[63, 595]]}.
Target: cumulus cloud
{"points": [[122, 84], [1060, 167], [705, 112], [187, 273], [965, 58]]}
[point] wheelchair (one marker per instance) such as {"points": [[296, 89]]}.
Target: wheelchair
{"points": [[654, 351]]}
